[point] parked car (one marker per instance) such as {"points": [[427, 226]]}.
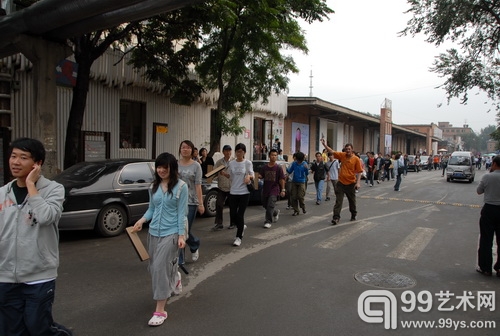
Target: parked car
{"points": [[210, 189], [424, 161], [105, 196], [414, 164]]}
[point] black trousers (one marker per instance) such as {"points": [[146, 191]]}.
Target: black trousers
{"points": [[237, 206], [489, 226]]}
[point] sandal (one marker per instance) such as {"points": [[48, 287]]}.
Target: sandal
{"points": [[157, 319]]}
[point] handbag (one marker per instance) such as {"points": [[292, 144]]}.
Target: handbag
{"points": [[250, 186]]}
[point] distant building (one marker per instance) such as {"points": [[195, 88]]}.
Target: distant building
{"points": [[491, 146], [434, 136], [453, 135]]}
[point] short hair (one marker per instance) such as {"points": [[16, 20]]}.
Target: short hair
{"points": [[273, 151], [33, 146], [240, 146], [299, 156], [348, 145], [318, 153], [496, 160]]}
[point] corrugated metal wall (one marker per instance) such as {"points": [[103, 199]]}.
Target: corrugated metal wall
{"points": [[112, 83]]}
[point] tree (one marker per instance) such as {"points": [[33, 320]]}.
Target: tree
{"points": [[87, 48], [237, 52], [474, 26]]}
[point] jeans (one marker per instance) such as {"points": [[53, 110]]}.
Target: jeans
{"points": [[237, 206], [369, 177], [348, 190], [398, 182], [319, 189], [269, 203], [192, 242], [27, 310]]}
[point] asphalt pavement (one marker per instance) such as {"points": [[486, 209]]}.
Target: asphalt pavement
{"points": [[416, 248]]}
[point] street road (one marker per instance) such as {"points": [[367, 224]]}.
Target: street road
{"points": [[303, 276]]}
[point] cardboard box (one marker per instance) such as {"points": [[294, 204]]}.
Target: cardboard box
{"points": [[214, 171], [137, 243]]}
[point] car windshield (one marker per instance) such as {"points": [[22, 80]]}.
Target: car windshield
{"points": [[459, 161], [80, 173]]}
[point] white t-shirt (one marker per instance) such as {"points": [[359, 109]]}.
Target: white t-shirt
{"points": [[238, 171]]}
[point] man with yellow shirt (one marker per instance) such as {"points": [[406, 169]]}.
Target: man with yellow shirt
{"points": [[349, 180]]}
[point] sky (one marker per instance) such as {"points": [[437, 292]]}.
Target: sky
{"points": [[358, 60]]}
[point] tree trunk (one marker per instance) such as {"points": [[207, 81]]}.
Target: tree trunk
{"points": [[75, 120]]}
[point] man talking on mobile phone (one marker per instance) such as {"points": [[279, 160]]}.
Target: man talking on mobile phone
{"points": [[30, 209]]}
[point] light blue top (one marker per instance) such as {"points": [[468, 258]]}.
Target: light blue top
{"points": [[166, 212], [333, 169]]}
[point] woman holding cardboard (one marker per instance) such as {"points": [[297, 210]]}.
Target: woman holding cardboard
{"points": [[167, 215]]}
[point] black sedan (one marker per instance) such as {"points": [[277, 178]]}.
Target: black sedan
{"points": [[105, 196], [210, 189]]}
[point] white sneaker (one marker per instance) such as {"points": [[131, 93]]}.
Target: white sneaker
{"points": [[195, 255], [237, 242], [178, 287], [275, 218], [267, 225]]}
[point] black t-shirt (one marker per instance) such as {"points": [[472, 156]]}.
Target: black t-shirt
{"points": [[20, 192]]}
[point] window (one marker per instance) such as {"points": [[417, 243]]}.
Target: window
{"points": [[132, 124], [136, 173]]}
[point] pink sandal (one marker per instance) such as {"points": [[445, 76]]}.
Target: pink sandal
{"points": [[157, 319]]}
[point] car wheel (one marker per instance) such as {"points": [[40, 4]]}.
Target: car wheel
{"points": [[111, 221], [210, 202]]}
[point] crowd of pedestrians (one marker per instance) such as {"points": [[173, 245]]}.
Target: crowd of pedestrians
{"points": [[175, 199]]}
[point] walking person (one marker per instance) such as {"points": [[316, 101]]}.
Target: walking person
{"points": [[380, 167], [274, 186], [444, 163], [332, 175], [240, 171], [299, 179], [371, 168], [29, 249], [387, 168], [489, 222], [349, 180], [319, 170], [223, 188], [399, 167], [190, 172], [205, 161], [166, 235]]}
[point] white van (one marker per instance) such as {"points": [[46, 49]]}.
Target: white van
{"points": [[461, 167]]}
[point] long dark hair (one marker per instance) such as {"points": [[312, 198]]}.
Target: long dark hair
{"points": [[169, 161]]}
